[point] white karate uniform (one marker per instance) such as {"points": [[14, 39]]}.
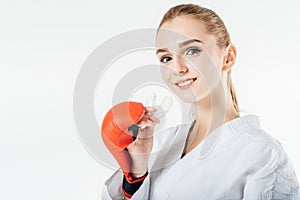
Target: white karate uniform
{"points": [[238, 160]]}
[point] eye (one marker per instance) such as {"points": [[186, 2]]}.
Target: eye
{"points": [[193, 51], [165, 59]]}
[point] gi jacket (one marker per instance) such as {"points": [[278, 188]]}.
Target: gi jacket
{"points": [[237, 160]]}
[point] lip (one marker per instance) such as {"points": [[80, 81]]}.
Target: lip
{"points": [[184, 80], [186, 86]]}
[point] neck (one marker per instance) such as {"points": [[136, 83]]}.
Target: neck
{"points": [[211, 112]]}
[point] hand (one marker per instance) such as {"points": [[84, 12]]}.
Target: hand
{"points": [[141, 147]]}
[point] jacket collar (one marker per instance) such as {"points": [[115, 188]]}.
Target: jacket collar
{"points": [[245, 123]]}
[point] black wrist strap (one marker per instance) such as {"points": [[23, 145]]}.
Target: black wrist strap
{"points": [[131, 188]]}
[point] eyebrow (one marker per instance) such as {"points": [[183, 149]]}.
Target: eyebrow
{"points": [[180, 45]]}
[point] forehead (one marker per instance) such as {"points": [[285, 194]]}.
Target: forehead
{"points": [[181, 29]]}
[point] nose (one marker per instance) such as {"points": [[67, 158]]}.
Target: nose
{"points": [[179, 65]]}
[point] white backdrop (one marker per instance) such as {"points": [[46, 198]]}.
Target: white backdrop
{"points": [[44, 43]]}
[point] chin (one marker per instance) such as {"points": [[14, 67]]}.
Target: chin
{"points": [[187, 99], [191, 95], [186, 96], [193, 99]]}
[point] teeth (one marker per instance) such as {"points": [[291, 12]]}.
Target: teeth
{"points": [[185, 82]]}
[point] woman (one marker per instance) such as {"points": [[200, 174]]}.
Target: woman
{"points": [[221, 155]]}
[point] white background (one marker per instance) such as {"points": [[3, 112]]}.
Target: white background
{"points": [[44, 43]]}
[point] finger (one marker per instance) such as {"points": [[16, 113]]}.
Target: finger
{"points": [[148, 116], [143, 126], [150, 109], [150, 121], [154, 119], [144, 123]]}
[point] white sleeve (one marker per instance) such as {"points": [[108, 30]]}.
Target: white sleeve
{"points": [[112, 189], [274, 179], [113, 186]]}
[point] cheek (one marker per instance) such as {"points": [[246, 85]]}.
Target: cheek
{"points": [[209, 72], [165, 74]]}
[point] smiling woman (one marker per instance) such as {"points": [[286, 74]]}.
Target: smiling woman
{"points": [[222, 154]]}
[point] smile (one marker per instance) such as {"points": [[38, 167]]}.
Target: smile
{"points": [[186, 83]]}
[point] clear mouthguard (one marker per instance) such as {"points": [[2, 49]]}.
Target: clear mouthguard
{"points": [[162, 108]]}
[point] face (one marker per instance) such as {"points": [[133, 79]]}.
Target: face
{"points": [[191, 62]]}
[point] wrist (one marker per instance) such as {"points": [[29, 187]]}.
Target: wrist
{"points": [[129, 187], [138, 174], [139, 169]]}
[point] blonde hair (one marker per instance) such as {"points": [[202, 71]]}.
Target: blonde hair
{"points": [[214, 26]]}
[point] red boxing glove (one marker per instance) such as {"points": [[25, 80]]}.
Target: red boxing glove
{"points": [[117, 137]]}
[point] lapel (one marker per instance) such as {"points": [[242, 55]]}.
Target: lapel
{"points": [[169, 154], [171, 175]]}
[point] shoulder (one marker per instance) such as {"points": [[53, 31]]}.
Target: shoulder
{"points": [[259, 146], [269, 155], [270, 171], [260, 140], [247, 141], [260, 137], [264, 163], [247, 132]]}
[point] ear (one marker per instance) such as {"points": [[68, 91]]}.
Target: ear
{"points": [[229, 58]]}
